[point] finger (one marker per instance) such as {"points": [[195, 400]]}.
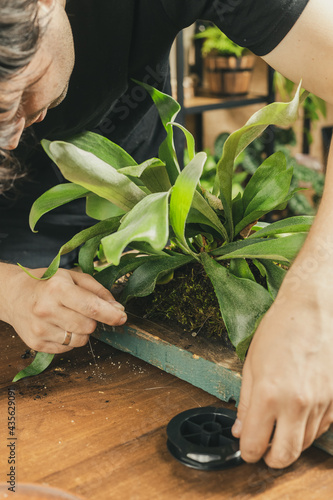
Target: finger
{"points": [[76, 340], [257, 427], [89, 283], [287, 443], [88, 304], [326, 422], [314, 423], [55, 348], [71, 321], [61, 316], [50, 338], [244, 401]]}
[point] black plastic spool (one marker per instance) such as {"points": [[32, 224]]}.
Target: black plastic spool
{"points": [[201, 438]]}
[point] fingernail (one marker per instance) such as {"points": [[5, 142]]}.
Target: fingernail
{"points": [[117, 305], [123, 319], [237, 427]]}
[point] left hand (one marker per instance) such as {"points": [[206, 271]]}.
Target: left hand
{"points": [[288, 377]]}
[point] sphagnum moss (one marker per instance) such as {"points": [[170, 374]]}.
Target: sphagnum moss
{"points": [[189, 300]]}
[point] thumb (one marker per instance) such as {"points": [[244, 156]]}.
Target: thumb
{"points": [[244, 401]]}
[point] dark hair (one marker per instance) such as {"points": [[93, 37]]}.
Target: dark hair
{"points": [[19, 37]]}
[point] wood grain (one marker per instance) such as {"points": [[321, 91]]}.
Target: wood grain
{"points": [[99, 432], [205, 363]]}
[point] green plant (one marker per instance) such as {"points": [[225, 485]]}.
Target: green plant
{"points": [[218, 44], [145, 206], [249, 160], [313, 106]]}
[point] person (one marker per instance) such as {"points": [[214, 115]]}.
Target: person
{"points": [[287, 378]]}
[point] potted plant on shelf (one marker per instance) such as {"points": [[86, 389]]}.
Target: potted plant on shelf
{"points": [[228, 66], [170, 221]]}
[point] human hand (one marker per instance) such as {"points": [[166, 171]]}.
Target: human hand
{"points": [[42, 311], [288, 378]]}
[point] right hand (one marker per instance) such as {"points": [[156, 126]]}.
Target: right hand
{"points": [[42, 311]]}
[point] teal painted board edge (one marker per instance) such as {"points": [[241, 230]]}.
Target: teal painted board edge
{"points": [[184, 365], [175, 360]]}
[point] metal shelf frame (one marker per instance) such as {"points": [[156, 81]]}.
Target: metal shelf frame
{"points": [[224, 103]]}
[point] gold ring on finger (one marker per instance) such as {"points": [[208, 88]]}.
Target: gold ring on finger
{"points": [[67, 339]]}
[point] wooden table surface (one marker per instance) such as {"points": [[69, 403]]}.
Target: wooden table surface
{"points": [[100, 432]]}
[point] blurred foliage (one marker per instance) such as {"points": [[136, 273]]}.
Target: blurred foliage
{"points": [[218, 44], [250, 159], [314, 107]]}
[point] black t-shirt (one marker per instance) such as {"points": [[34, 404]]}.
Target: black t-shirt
{"points": [[119, 40], [115, 41]]}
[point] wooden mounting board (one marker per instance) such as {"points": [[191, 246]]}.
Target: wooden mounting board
{"points": [[202, 362]]}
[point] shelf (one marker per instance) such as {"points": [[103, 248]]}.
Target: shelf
{"points": [[200, 104]]}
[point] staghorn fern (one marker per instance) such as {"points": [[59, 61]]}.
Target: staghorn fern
{"points": [[145, 206]]}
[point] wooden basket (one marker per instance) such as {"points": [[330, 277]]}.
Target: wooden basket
{"points": [[229, 76]]}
